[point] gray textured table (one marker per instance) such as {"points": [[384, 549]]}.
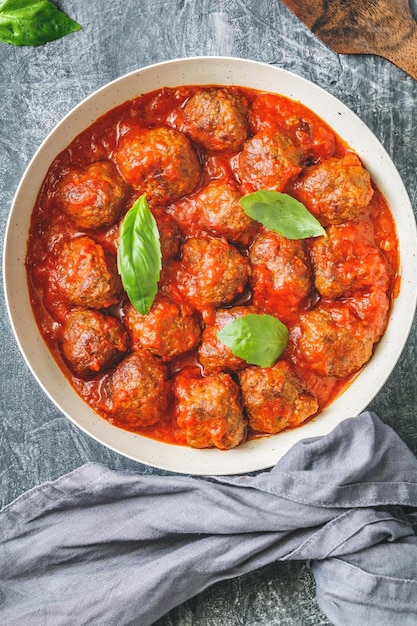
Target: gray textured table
{"points": [[40, 85]]}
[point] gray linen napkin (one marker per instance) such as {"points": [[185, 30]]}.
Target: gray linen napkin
{"points": [[103, 547]]}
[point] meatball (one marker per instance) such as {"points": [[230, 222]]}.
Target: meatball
{"points": [[167, 330], [333, 342], [170, 235], [275, 398], [209, 411], [372, 309], [314, 138], [92, 342], [86, 275], [347, 261], [221, 213], [214, 355], [92, 196], [269, 160], [215, 272], [136, 391], [216, 119], [281, 273], [159, 162], [336, 190]]}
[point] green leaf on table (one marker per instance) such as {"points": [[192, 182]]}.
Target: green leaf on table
{"points": [[139, 259], [33, 22], [282, 214], [259, 339]]}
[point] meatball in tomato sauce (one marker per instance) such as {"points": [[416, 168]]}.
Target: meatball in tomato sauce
{"points": [[216, 119], [336, 190], [136, 391], [333, 342], [314, 138], [168, 330], [269, 160], [281, 273], [209, 411], [159, 162], [214, 355], [275, 398], [220, 213], [372, 310], [215, 272], [347, 260], [92, 196], [92, 342], [86, 275]]}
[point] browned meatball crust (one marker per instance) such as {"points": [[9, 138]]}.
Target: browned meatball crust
{"points": [[214, 355], [220, 212], [333, 342], [269, 160], [215, 272], [86, 275], [347, 261], [92, 196], [167, 330], [336, 190], [217, 120], [92, 342], [159, 162], [275, 398], [136, 391], [281, 273], [209, 411]]}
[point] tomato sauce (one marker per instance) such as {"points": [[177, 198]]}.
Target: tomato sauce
{"points": [[51, 227]]}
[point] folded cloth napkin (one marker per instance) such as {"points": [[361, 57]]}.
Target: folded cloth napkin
{"points": [[104, 547]]}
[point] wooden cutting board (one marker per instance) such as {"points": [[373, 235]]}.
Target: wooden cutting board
{"points": [[382, 27]]}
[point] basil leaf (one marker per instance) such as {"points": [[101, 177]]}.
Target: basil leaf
{"points": [[282, 214], [139, 255], [33, 22], [259, 339]]}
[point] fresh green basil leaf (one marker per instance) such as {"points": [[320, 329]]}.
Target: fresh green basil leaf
{"points": [[139, 255], [259, 339], [282, 214], [33, 22]]}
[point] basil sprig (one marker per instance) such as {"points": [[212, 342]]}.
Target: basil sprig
{"points": [[139, 255], [259, 339], [33, 22], [281, 213]]}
